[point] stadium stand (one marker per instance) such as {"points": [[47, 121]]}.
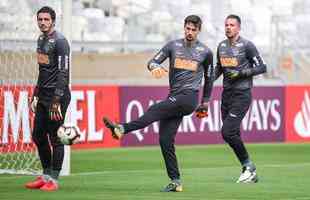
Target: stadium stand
{"points": [[128, 26]]}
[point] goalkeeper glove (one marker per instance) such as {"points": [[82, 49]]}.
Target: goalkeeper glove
{"points": [[235, 74], [34, 103], [158, 72], [55, 109], [202, 110]]}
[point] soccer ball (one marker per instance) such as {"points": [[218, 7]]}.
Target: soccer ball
{"points": [[68, 135]]}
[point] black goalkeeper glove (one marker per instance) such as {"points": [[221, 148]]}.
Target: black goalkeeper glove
{"points": [[55, 109], [236, 74]]}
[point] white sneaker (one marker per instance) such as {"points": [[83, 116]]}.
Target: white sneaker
{"points": [[248, 175]]}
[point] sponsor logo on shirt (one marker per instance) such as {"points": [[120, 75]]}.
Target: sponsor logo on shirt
{"points": [[188, 64], [229, 61]]}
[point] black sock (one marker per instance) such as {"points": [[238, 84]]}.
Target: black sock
{"points": [[55, 174], [47, 171]]}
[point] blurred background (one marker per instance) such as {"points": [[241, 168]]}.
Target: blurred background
{"points": [[115, 38]]}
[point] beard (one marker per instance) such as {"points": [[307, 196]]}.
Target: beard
{"points": [[45, 29], [189, 38], [229, 35]]}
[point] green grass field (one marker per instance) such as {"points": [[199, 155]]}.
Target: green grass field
{"points": [[208, 172]]}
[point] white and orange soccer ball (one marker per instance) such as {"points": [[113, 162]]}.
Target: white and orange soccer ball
{"points": [[68, 134]]}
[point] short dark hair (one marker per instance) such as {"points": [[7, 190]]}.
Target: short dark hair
{"points": [[47, 9], [236, 17], [194, 19]]}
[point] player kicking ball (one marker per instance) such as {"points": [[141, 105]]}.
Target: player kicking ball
{"points": [[190, 61]]}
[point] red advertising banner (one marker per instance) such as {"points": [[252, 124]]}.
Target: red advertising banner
{"points": [[297, 114], [87, 107], [15, 119], [275, 111]]}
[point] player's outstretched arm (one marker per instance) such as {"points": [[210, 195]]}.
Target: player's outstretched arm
{"points": [[159, 72], [154, 66]]}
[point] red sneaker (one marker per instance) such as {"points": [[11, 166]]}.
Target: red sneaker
{"points": [[36, 184], [49, 186]]}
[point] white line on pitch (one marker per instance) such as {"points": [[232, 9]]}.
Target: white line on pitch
{"points": [[154, 170], [185, 169]]}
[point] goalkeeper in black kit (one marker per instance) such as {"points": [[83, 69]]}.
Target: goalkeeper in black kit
{"points": [[189, 62], [50, 99], [238, 60]]}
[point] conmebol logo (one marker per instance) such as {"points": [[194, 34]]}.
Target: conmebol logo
{"points": [[302, 118]]}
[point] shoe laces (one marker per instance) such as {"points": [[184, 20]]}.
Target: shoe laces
{"points": [[171, 186], [248, 168]]}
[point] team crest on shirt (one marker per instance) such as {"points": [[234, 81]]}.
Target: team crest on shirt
{"points": [[47, 47], [178, 53], [239, 44], [199, 48], [235, 51], [178, 44], [196, 55]]}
